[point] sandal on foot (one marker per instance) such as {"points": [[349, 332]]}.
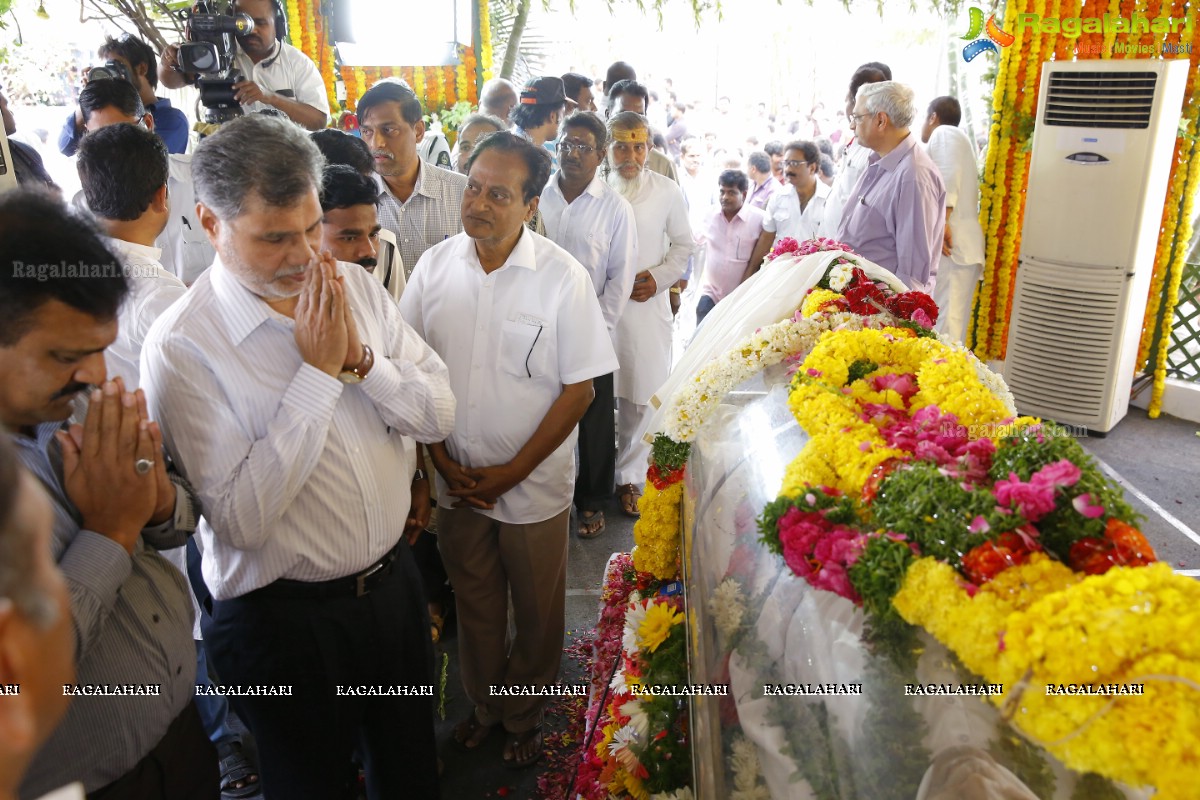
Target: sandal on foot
{"points": [[591, 524], [471, 733], [239, 776], [530, 740], [628, 494]]}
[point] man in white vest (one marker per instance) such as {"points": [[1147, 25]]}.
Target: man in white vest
{"points": [[961, 264], [643, 335]]}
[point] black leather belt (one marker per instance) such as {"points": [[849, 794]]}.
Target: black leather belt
{"points": [[356, 585]]}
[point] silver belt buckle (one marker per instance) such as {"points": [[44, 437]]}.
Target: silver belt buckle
{"points": [[360, 581]]}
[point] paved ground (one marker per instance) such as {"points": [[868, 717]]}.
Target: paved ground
{"points": [[1158, 463]]}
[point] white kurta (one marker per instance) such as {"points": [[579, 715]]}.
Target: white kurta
{"points": [[643, 335], [954, 292]]}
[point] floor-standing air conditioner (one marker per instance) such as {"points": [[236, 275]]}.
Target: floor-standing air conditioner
{"points": [[1102, 150]]}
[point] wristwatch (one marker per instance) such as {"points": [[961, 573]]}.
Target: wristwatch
{"points": [[359, 371], [419, 475]]}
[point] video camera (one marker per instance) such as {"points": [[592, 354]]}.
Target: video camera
{"points": [[211, 28], [110, 70]]}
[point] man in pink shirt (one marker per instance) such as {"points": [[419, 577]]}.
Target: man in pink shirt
{"points": [[729, 233]]}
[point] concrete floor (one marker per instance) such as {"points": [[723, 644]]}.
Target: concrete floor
{"points": [[1158, 464]]}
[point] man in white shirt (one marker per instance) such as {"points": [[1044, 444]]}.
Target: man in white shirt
{"points": [[186, 251], [854, 156], [132, 208], [592, 222], [274, 74], [961, 263], [419, 203], [517, 321], [795, 211], [289, 386], [644, 331]]}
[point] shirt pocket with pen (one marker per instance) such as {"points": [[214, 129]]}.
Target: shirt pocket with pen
{"points": [[524, 347]]}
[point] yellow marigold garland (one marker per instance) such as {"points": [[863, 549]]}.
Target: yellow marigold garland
{"points": [[844, 449], [656, 533], [485, 40], [1040, 624]]}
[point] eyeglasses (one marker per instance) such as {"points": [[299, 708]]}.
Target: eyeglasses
{"points": [[791, 162], [569, 148], [854, 118]]}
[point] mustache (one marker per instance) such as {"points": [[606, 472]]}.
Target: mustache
{"points": [[381, 154], [287, 272], [367, 262], [72, 388]]}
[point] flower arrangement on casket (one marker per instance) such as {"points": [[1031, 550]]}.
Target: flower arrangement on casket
{"points": [[863, 303], [920, 497]]}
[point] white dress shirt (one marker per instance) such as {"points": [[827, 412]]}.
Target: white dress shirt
{"points": [[152, 290], [286, 72], [431, 214], [301, 476], [784, 218], [599, 230], [511, 338], [186, 251], [952, 151], [664, 245], [854, 162]]}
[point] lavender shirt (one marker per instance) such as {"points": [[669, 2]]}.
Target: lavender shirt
{"points": [[897, 212]]}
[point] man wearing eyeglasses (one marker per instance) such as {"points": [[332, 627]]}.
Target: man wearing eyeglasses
{"points": [[591, 221], [796, 210], [418, 202], [897, 211], [854, 155], [516, 320]]}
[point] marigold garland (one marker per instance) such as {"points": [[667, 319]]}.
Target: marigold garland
{"points": [[1039, 625]]}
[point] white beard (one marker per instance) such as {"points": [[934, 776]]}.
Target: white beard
{"points": [[627, 187]]}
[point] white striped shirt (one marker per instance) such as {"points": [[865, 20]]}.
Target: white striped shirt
{"points": [[302, 477], [430, 215]]}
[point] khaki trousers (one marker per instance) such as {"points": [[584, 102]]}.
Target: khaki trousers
{"points": [[487, 561]]}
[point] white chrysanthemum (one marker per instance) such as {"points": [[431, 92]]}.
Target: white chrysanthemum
{"points": [[727, 605], [684, 793], [839, 276], [633, 621], [747, 778], [618, 685]]}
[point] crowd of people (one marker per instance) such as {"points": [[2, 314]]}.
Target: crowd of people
{"points": [[280, 359]]}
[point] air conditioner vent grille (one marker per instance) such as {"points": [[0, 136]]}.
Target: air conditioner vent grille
{"points": [[1100, 99]]}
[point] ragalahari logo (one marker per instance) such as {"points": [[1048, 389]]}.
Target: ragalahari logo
{"points": [[995, 35]]}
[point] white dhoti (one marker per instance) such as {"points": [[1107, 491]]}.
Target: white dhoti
{"points": [[644, 351], [954, 294]]}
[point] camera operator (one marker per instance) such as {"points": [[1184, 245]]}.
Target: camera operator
{"points": [[274, 74], [141, 69]]}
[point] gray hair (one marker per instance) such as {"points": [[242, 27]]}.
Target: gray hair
{"points": [[255, 154], [17, 544], [627, 121], [479, 118], [892, 98]]}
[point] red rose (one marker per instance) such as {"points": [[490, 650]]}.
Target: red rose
{"points": [[865, 298], [904, 305], [989, 559]]}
